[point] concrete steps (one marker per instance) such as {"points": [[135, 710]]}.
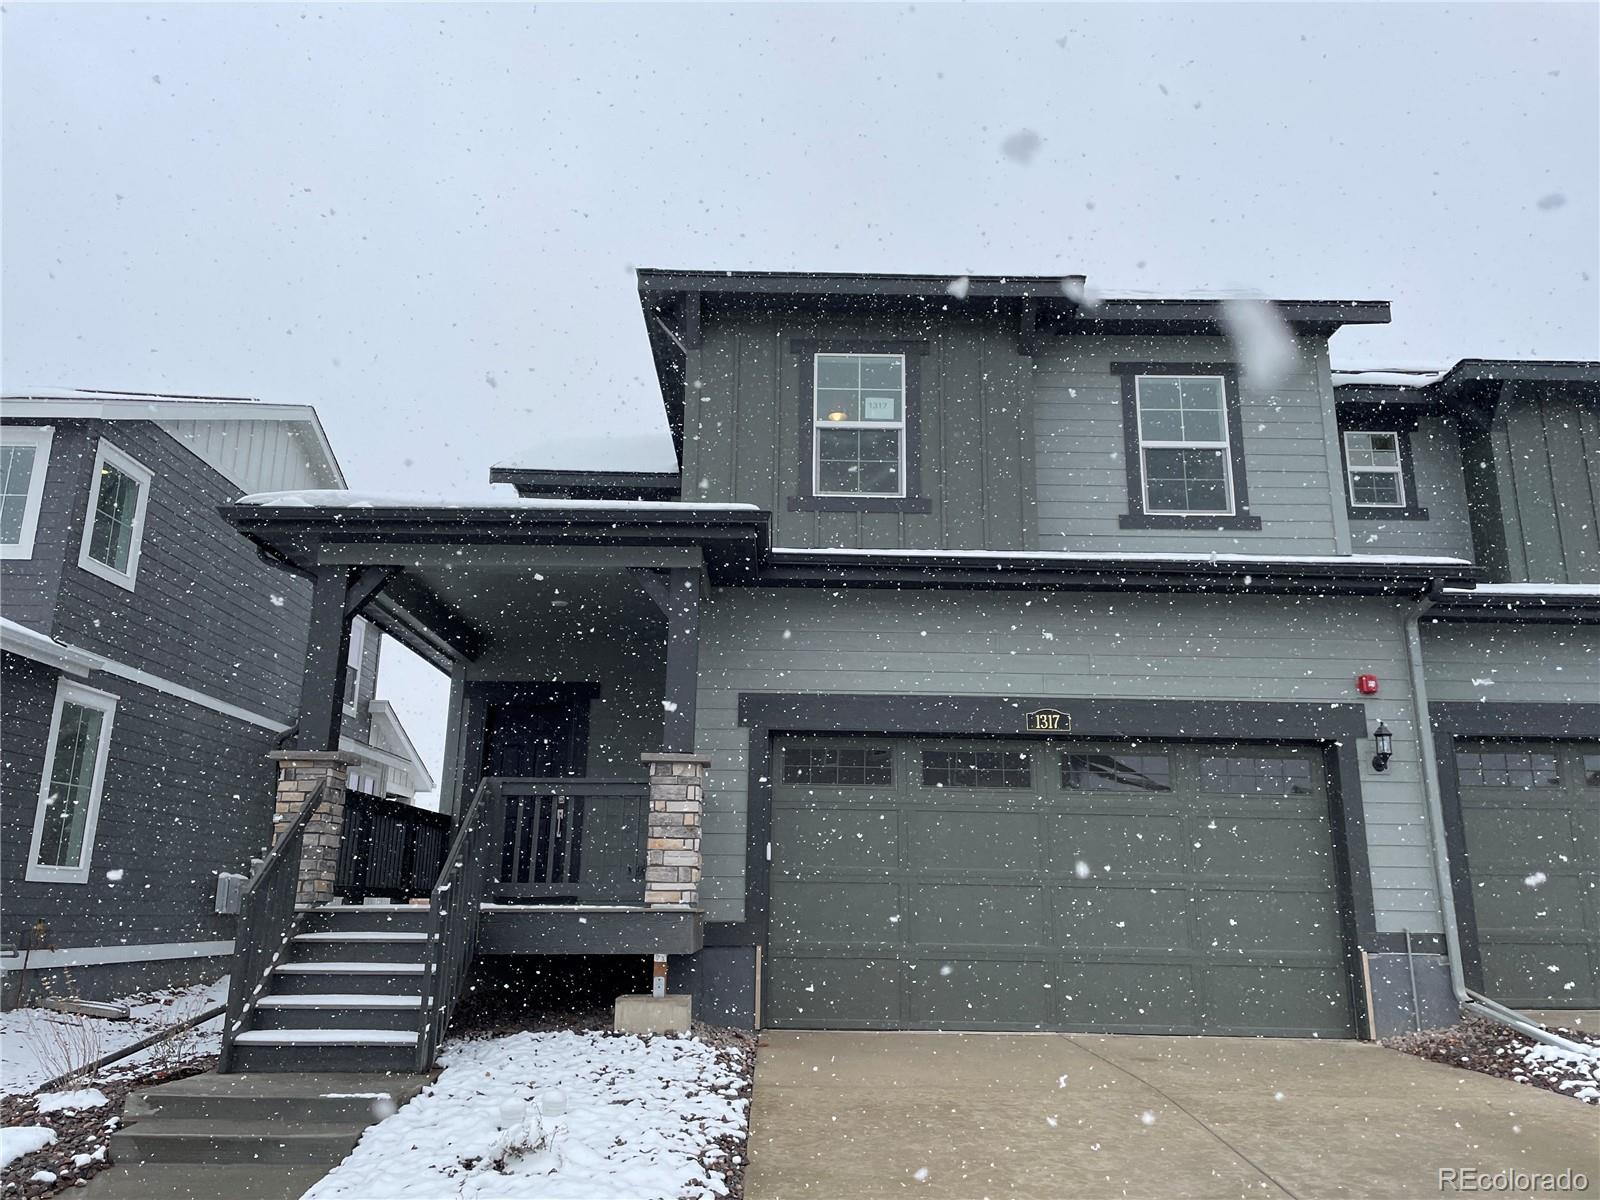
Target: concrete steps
{"points": [[195, 1181]]}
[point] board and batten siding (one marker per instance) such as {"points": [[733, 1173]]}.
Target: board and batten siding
{"points": [[1440, 487], [744, 431], [1291, 451], [1086, 645], [1502, 663], [257, 456]]}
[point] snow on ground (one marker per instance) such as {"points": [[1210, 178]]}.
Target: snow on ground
{"points": [[559, 1116], [33, 1041], [1565, 1072], [69, 1101], [17, 1140]]}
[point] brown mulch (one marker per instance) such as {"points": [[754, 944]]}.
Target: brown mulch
{"points": [[80, 1131], [1475, 1044], [730, 1154]]}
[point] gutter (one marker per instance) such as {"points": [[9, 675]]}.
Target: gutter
{"points": [[1469, 1001]]}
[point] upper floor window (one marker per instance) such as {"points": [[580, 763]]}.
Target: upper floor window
{"points": [[69, 792], [24, 458], [859, 423], [859, 402], [114, 527], [1379, 473], [1184, 445]]}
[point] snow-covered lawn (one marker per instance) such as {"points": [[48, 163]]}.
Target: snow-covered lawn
{"points": [[559, 1116], [36, 1043]]}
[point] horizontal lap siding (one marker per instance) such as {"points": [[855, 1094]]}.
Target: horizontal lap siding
{"points": [[187, 794], [28, 586], [1506, 664], [1100, 646], [1082, 482], [1440, 488]]}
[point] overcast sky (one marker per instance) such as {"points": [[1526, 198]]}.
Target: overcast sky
{"points": [[422, 219]]}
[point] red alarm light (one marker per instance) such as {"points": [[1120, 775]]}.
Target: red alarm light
{"points": [[1367, 685]]}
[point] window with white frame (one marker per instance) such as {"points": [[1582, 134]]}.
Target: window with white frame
{"points": [[1374, 470], [1185, 457], [69, 792], [859, 425], [352, 664], [24, 458], [113, 530]]}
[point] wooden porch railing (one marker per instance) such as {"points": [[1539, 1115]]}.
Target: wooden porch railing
{"points": [[267, 920], [571, 840], [389, 849], [454, 909]]}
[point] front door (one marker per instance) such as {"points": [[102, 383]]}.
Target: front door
{"points": [[528, 737]]}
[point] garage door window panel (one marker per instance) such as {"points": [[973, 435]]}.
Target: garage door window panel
{"points": [[977, 769], [839, 765], [1121, 773], [1237, 775]]}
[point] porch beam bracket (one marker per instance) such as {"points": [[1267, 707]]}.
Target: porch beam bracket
{"points": [[367, 584], [423, 609], [655, 586]]}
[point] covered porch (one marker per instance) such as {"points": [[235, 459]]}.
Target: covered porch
{"points": [[570, 634]]}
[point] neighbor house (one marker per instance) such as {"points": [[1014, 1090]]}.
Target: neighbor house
{"points": [[978, 655], [152, 661]]}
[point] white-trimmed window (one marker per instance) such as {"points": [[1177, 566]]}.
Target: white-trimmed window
{"points": [[1374, 471], [352, 664], [114, 527], [24, 459], [1185, 460], [69, 792], [859, 425]]}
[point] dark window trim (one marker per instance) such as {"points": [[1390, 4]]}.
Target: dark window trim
{"points": [[1136, 517], [1455, 721], [1371, 419], [806, 350], [1336, 728]]}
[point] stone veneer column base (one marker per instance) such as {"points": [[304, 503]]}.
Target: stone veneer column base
{"points": [[299, 772], [672, 848]]}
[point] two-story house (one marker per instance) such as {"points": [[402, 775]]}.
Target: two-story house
{"points": [[151, 663], [984, 657]]}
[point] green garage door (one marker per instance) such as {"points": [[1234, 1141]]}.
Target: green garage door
{"points": [[1531, 813], [994, 885]]}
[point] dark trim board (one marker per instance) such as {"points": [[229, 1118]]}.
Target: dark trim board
{"points": [[550, 929], [1510, 722], [1336, 728], [1133, 458]]}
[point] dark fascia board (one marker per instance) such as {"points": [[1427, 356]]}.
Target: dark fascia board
{"points": [[988, 287], [1259, 577], [1508, 370], [1382, 395], [590, 485], [1497, 606]]}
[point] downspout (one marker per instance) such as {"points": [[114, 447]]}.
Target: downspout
{"points": [[1469, 1000]]}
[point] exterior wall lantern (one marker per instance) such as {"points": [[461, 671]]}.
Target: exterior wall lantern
{"points": [[1383, 743]]}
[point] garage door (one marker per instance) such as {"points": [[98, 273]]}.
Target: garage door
{"points": [[1531, 814], [995, 885]]}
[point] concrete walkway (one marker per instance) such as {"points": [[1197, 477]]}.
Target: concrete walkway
{"points": [[956, 1117]]}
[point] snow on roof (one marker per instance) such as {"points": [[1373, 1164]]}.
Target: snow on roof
{"points": [[41, 647], [624, 452], [331, 498], [1412, 377], [1137, 556], [1590, 591]]}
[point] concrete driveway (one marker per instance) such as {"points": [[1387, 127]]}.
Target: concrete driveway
{"points": [[943, 1116]]}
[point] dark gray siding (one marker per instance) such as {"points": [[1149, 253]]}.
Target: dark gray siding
{"points": [[1533, 477], [744, 431], [187, 794], [1089, 646], [28, 586], [206, 612], [1440, 488], [1290, 448]]}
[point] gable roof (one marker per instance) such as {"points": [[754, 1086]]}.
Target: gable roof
{"points": [[256, 446], [383, 713]]}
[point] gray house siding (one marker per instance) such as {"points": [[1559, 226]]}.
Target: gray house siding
{"points": [[1440, 487], [1509, 664], [745, 431], [206, 612], [28, 586], [1289, 449], [1533, 478], [185, 797], [1084, 645]]}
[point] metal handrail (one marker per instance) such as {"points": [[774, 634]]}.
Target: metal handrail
{"points": [[454, 910], [267, 920]]}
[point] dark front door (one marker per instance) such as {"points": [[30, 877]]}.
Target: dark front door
{"points": [[530, 738]]}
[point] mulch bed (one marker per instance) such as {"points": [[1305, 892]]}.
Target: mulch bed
{"points": [[84, 1131], [1492, 1049], [732, 1153]]}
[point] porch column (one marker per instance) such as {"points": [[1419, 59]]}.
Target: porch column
{"points": [[327, 645], [299, 772], [672, 848]]}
